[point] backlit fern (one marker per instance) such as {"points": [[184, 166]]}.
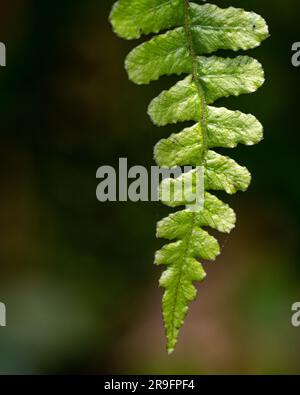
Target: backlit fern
{"points": [[196, 30]]}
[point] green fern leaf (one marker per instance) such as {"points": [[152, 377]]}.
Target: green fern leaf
{"points": [[224, 129], [196, 30]]}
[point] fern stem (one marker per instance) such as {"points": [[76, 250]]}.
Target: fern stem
{"points": [[196, 79], [203, 128]]}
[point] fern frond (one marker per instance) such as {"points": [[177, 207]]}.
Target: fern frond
{"points": [[196, 30]]}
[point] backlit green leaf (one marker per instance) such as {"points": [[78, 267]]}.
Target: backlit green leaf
{"points": [[194, 30]]}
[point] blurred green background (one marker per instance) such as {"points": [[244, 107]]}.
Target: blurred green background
{"points": [[77, 275]]}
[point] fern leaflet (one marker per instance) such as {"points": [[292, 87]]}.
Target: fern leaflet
{"points": [[196, 30]]}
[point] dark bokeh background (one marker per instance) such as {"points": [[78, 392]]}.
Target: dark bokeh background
{"points": [[77, 275]]}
